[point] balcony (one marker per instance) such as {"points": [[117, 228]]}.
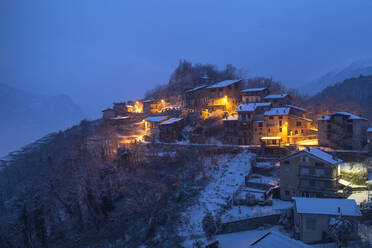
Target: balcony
{"points": [[318, 189], [319, 177]]}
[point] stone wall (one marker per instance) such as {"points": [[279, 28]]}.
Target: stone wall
{"points": [[249, 224]]}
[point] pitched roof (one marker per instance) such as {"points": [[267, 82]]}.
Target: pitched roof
{"points": [[275, 239], [329, 206], [349, 115], [223, 83], [278, 111], [171, 121], [315, 152], [253, 89], [278, 96], [156, 118], [323, 155], [251, 106], [196, 88], [296, 107]]}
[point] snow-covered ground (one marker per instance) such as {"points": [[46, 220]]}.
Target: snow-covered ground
{"points": [[353, 167], [360, 196], [225, 181], [257, 178], [245, 212]]}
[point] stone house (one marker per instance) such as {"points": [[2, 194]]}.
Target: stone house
{"points": [[196, 99], [152, 124], [120, 108], [224, 95], [153, 106], [108, 113], [171, 129], [309, 173], [253, 95], [285, 126], [231, 126], [251, 121], [278, 100], [342, 130], [312, 217]]}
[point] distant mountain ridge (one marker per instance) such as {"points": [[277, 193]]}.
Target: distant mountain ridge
{"points": [[353, 95], [27, 116], [361, 67]]}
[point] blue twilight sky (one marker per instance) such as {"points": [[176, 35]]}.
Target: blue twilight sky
{"points": [[101, 51]]}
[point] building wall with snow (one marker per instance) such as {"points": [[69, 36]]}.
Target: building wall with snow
{"points": [[313, 227], [342, 131], [304, 175]]}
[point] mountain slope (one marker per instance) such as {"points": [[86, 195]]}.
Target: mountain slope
{"points": [[27, 116], [362, 67], [352, 95]]}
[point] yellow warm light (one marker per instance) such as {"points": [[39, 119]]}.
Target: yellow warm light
{"points": [[138, 107], [224, 100], [312, 142]]}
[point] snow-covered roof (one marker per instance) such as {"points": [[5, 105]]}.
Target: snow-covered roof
{"points": [[254, 90], [324, 118], [148, 100], [251, 106], [302, 118], [275, 239], [329, 206], [296, 107], [108, 109], [171, 121], [278, 96], [322, 155], [196, 88], [278, 111], [349, 115], [326, 157], [156, 118], [223, 83], [119, 117]]}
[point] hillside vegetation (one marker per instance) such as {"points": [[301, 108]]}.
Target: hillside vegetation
{"points": [[74, 189], [352, 95]]}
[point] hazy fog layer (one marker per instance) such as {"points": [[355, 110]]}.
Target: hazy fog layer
{"points": [[100, 51]]}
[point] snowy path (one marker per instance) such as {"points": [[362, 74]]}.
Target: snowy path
{"points": [[225, 181]]}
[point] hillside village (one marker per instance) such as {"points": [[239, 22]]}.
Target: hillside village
{"points": [[218, 164], [312, 175]]}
